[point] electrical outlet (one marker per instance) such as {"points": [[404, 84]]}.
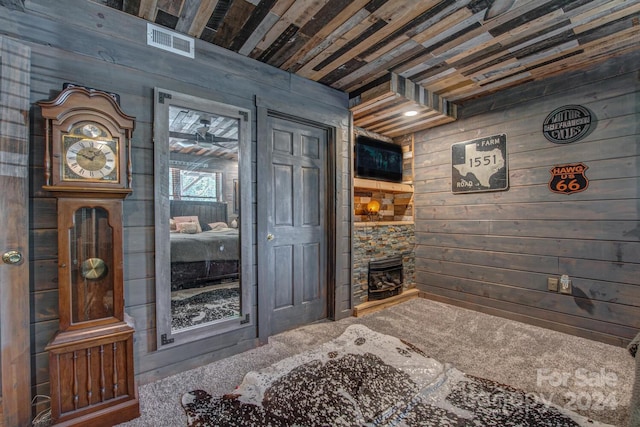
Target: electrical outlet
{"points": [[565, 284], [552, 284]]}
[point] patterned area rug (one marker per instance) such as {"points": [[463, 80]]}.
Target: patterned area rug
{"points": [[197, 306], [364, 378]]}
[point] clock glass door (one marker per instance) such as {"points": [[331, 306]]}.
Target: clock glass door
{"points": [[91, 270]]}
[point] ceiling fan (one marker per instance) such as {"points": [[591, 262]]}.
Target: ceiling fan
{"points": [[203, 138]]}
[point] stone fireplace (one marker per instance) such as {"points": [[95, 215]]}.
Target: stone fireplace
{"points": [[385, 278], [373, 241]]}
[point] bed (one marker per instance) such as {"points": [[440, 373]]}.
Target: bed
{"points": [[208, 255]]}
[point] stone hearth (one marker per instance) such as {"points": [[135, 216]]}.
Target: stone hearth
{"points": [[380, 240]]}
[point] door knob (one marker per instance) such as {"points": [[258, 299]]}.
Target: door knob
{"points": [[12, 257], [270, 236]]}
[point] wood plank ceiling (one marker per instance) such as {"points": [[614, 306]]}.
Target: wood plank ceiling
{"points": [[454, 50], [199, 133]]}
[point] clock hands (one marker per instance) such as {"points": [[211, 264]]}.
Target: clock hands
{"points": [[95, 151], [87, 157]]}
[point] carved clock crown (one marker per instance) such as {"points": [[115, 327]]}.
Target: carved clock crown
{"points": [[88, 144]]}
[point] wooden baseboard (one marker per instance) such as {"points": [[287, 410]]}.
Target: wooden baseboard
{"points": [[373, 306]]}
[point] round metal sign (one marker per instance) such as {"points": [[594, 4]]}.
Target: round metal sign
{"points": [[567, 124]]}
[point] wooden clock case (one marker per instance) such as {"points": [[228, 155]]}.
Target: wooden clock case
{"points": [[91, 356]]}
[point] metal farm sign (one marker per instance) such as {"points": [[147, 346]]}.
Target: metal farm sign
{"points": [[567, 124], [568, 179]]}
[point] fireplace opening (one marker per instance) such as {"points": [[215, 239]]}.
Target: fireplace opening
{"points": [[385, 278]]}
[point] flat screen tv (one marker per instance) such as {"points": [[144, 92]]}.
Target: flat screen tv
{"points": [[375, 159]]}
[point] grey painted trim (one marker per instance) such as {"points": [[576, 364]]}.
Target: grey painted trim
{"points": [[264, 319], [163, 99]]}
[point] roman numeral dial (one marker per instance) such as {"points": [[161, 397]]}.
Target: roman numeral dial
{"points": [[90, 155]]}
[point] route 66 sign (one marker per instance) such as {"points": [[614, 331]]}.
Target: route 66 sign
{"points": [[568, 179]]}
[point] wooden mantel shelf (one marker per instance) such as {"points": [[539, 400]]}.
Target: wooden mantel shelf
{"points": [[390, 187]]}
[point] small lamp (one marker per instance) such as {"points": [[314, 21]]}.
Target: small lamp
{"points": [[373, 207]]}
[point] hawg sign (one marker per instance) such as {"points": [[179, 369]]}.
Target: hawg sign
{"points": [[568, 179]]}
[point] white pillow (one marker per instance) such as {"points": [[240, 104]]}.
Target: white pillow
{"points": [[194, 219], [188, 227]]}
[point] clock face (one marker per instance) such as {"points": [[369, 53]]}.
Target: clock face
{"points": [[90, 159], [90, 154]]}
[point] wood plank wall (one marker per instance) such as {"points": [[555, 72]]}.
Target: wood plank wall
{"points": [[494, 251], [110, 54]]}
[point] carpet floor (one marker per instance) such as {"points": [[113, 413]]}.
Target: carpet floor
{"points": [[590, 378]]}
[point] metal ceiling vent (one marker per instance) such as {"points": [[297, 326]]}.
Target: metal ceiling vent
{"points": [[165, 39]]}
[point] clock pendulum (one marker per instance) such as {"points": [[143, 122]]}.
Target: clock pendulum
{"points": [[93, 268]]}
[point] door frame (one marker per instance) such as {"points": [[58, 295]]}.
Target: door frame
{"points": [[15, 338], [263, 113]]}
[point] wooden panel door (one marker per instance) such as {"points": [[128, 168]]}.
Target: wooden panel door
{"points": [[292, 225], [14, 239]]}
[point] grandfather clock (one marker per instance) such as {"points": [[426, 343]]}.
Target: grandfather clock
{"points": [[88, 169]]}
